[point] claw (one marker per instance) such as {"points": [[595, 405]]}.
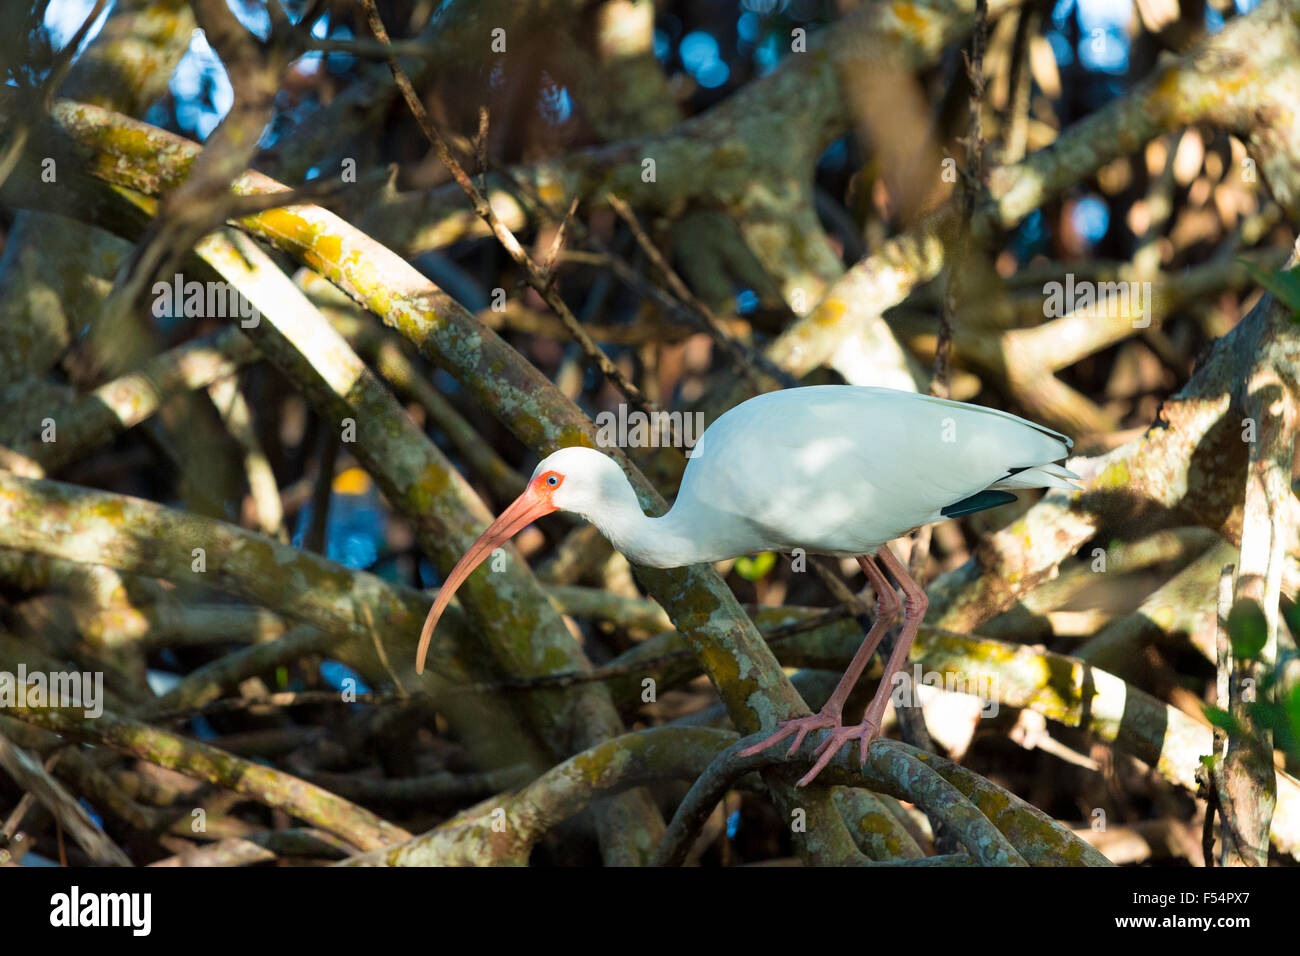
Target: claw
{"points": [[798, 739], [865, 732], [802, 726], [776, 738], [866, 739], [821, 747], [818, 767]]}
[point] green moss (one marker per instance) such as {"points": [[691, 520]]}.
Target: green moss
{"points": [[594, 764], [424, 493], [573, 435], [554, 659], [329, 246], [1116, 475], [109, 509]]}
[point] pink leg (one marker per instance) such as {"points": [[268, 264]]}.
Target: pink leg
{"points": [[916, 604], [829, 717]]}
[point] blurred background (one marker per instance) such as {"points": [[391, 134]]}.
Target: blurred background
{"points": [[810, 156]]}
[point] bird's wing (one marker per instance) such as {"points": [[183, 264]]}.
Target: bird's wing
{"points": [[950, 450], [878, 462], [997, 413]]}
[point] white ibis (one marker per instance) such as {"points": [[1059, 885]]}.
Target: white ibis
{"points": [[831, 469]]}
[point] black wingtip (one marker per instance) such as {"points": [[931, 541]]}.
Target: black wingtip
{"points": [[980, 501]]}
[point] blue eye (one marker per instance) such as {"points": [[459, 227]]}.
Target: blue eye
{"points": [[552, 480]]}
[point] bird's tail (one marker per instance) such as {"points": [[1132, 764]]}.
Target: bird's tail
{"points": [[1040, 476]]}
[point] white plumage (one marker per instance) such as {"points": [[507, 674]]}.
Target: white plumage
{"points": [[832, 469], [842, 469]]}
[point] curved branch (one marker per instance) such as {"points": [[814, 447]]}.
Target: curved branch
{"points": [[997, 827], [1241, 79], [508, 607], [268, 786], [754, 688], [504, 831]]}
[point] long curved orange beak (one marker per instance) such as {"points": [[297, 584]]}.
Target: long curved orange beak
{"points": [[523, 511]]}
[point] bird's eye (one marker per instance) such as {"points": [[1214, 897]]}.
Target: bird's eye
{"points": [[552, 480]]}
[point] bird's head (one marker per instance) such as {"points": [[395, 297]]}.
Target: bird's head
{"points": [[573, 479], [577, 479]]}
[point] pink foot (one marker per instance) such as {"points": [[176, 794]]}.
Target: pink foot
{"points": [[865, 732], [800, 726]]}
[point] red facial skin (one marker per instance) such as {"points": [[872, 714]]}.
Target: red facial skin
{"points": [[535, 502]]}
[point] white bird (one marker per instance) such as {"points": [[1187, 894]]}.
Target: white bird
{"points": [[831, 469]]}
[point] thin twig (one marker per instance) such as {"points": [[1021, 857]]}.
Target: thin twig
{"points": [[481, 148], [745, 364], [685, 305], [972, 187], [58, 73], [548, 267], [555, 681], [536, 276], [322, 489]]}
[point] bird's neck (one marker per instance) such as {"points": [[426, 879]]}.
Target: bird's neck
{"points": [[657, 542]]}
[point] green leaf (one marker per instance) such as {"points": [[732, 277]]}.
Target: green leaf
{"points": [[756, 567], [1285, 285], [1291, 614], [1267, 716], [1220, 718], [1292, 706], [1247, 629]]}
